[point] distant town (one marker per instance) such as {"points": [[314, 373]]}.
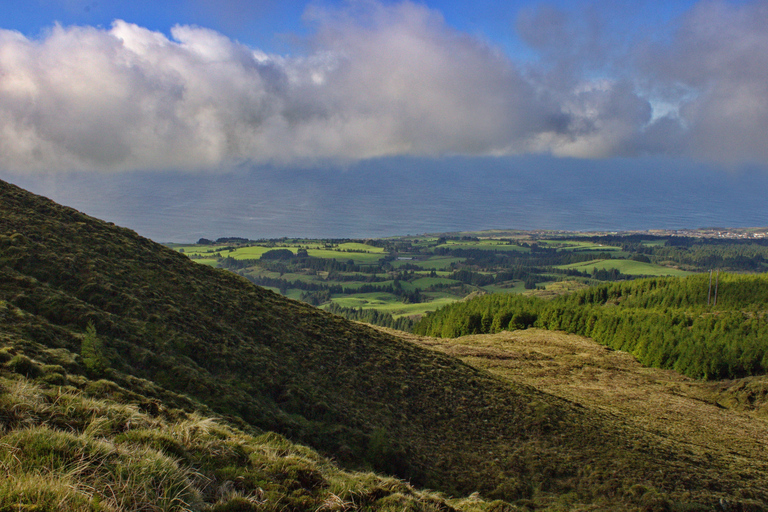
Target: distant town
{"points": [[730, 233]]}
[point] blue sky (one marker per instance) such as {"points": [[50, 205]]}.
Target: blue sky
{"points": [[271, 24], [140, 88]]}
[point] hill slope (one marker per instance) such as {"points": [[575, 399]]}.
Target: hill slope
{"points": [[726, 416], [101, 301], [92, 446]]}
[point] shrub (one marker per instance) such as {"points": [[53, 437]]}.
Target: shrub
{"points": [[23, 365], [92, 352]]}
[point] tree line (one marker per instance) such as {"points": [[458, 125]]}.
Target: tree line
{"points": [[671, 323], [371, 316]]}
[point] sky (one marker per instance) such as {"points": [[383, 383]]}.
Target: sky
{"points": [[95, 94]]}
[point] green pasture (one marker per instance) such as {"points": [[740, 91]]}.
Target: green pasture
{"points": [[354, 285], [253, 252], [482, 245], [257, 272], [290, 276], [425, 282], [358, 247], [200, 250], [360, 258], [517, 287], [433, 263], [211, 262], [359, 253], [425, 241], [388, 303], [577, 246], [293, 293], [629, 267], [372, 300], [304, 278]]}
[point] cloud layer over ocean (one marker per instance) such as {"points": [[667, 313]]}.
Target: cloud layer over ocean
{"points": [[379, 80]]}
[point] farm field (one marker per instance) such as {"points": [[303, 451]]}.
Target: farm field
{"points": [[577, 245], [402, 278], [628, 267], [388, 303]]}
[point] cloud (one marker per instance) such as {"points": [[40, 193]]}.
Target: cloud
{"points": [[378, 80], [403, 82], [716, 69]]}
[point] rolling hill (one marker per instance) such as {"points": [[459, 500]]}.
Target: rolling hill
{"points": [[88, 305]]}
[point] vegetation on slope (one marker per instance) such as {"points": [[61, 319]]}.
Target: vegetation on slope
{"points": [[724, 417], [93, 446], [676, 323], [81, 297]]}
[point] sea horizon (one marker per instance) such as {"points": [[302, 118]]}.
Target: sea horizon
{"points": [[409, 196]]}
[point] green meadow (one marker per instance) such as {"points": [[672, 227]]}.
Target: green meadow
{"points": [[482, 245], [629, 267], [388, 303], [579, 246], [432, 263]]}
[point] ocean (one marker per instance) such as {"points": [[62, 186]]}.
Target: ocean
{"points": [[400, 196]]}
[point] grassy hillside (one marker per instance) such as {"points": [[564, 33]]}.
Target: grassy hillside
{"points": [[726, 417], [83, 299], [91, 446]]}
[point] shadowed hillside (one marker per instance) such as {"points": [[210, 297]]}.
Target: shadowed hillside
{"points": [[99, 301]]}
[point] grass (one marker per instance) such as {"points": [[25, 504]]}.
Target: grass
{"points": [[436, 300], [578, 246], [433, 263], [253, 252], [725, 420], [677, 409], [200, 250], [366, 300], [628, 267], [358, 247], [556, 288], [485, 245], [359, 253], [122, 459], [358, 257], [207, 261], [389, 303], [426, 282], [516, 287]]}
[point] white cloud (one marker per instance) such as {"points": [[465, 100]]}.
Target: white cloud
{"points": [[377, 80]]}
